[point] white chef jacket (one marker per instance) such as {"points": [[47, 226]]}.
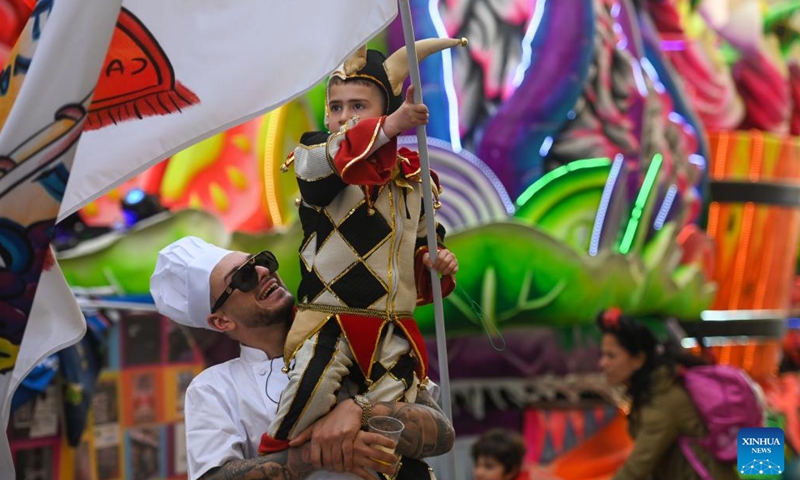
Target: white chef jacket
{"points": [[229, 406]]}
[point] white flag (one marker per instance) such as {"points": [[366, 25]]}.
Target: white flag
{"points": [[182, 70], [45, 92]]}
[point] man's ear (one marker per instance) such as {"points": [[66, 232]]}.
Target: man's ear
{"points": [[220, 323]]}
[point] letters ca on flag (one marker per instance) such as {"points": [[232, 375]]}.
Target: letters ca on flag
{"points": [[137, 79]]}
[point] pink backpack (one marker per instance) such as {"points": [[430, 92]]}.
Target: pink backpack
{"points": [[727, 400]]}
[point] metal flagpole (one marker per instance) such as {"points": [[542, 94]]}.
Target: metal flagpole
{"points": [[441, 345]]}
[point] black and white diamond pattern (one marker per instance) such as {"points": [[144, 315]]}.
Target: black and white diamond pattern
{"points": [[364, 231], [345, 260], [311, 287], [324, 228], [359, 287]]}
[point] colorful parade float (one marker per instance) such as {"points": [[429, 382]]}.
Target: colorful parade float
{"points": [[593, 153]]}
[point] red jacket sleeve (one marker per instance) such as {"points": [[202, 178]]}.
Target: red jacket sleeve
{"points": [[423, 280], [354, 159]]}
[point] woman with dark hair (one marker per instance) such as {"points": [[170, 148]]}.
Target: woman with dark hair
{"points": [[661, 410]]}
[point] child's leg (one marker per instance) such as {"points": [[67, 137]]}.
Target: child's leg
{"points": [[319, 366], [392, 373]]}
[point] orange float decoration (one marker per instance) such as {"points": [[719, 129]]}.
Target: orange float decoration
{"points": [[755, 235], [754, 220], [235, 175]]}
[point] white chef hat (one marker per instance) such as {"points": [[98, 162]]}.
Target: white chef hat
{"points": [[181, 283]]}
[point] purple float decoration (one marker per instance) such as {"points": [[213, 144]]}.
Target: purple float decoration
{"points": [[561, 52], [435, 71], [471, 193]]}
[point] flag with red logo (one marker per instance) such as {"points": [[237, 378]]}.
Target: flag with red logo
{"points": [[46, 90], [96, 91], [180, 71]]}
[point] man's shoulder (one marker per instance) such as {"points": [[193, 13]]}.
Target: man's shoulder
{"points": [[216, 377]]}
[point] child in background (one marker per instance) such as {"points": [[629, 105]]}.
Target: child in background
{"points": [[498, 455]]}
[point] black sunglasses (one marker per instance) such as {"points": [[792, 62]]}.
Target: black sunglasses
{"points": [[245, 278]]}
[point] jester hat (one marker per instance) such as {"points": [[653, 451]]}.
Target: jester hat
{"points": [[389, 74]]}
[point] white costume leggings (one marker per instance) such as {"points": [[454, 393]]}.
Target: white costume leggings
{"points": [[321, 364]]}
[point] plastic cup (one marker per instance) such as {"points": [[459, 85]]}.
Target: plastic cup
{"points": [[389, 427]]}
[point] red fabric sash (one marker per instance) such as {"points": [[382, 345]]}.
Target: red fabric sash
{"points": [[363, 334]]}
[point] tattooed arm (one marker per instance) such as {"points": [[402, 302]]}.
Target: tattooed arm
{"points": [[278, 466], [294, 464], [427, 431]]}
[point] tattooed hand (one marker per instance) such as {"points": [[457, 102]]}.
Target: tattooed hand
{"points": [[427, 431], [337, 443], [286, 465]]}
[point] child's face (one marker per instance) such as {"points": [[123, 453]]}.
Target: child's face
{"points": [[488, 468], [346, 100]]}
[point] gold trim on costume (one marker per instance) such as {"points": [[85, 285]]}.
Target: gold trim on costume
{"points": [[333, 294], [416, 348], [333, 137], [303, 249], [413, 174], [335, 309], [309, 147], [308, 157], [368, 372], [299, 333], [343, 273], [396, 472], [348, 214], [314, 395], [406, 386], [368, 150], [325, 241], [316, 179], [390, 270], [363, 260], [381, 331], [286, 163], [356, 61], [372, 272]]}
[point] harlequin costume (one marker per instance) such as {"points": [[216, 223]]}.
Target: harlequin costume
{"points": [[361, 259]]}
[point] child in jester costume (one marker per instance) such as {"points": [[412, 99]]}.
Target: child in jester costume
{"points": [[364, 253]]}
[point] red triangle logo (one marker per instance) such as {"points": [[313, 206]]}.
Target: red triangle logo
{"points": [[137, 79]]}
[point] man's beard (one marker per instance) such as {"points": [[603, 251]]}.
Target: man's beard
{"points": [[280, 315]]}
